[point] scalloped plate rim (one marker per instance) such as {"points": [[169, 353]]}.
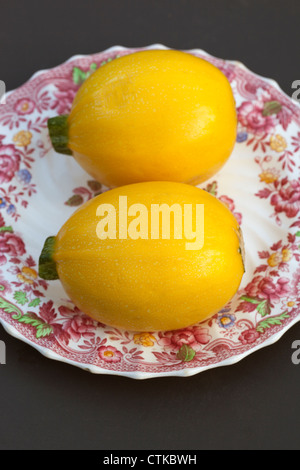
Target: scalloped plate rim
{"points": [[147, 375], [156, 46]]}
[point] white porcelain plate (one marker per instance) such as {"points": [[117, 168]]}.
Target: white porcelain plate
{"points": [[40, 189]]}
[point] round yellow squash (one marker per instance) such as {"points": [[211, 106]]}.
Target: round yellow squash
{"points": [[121, 268], [154, 115]]}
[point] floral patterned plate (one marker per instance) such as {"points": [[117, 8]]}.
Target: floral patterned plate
{"points": [[40, 189]]}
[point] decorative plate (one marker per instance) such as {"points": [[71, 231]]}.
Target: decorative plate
{"points": [[40, 189]]}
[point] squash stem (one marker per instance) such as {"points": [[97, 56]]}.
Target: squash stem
{"points": [[47, 266], [59, 133]]}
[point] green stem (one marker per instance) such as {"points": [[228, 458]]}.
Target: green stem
{"points": [[59, 133], [47, 266]]}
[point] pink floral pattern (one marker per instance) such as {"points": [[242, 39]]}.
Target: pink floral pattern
{"points": [[264, 288], [250, 115], [230, 204], [10, 245], [24, 106], [77, 326], [287, 198], [268, 301], [9, 163], [194, 337], [110, 354], [249, 336]]}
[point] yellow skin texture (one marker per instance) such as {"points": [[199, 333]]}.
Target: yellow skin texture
{"points": [[148, 285], [155, 115]]}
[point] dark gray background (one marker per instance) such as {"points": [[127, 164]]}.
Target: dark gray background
{"points": [[251, 405]]}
